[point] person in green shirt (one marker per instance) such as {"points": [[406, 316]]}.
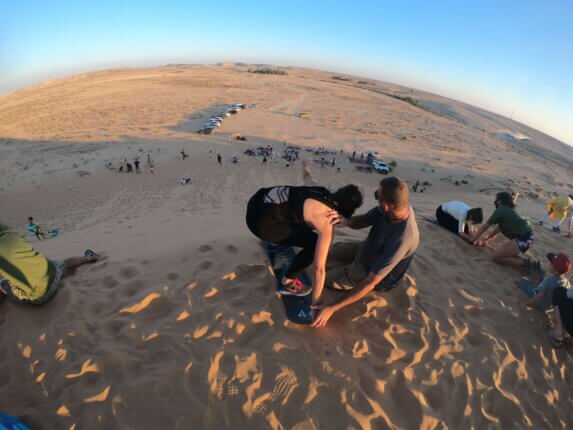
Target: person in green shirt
{"points": [[513, 226], [27, 276]]}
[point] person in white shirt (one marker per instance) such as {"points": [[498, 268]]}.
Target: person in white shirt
{"points": [[459, 218]]}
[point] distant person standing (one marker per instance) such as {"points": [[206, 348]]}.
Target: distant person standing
{"points": [[265, 159], [136, 162], [558, 209], [219, 158], [353, 155], [149, 160], [129, 167]]}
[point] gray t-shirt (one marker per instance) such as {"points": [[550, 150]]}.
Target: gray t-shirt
{"points": [[547, 287], [387, 244]]}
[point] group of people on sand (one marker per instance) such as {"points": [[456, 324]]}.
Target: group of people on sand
{"points": [[305, 217], [126, 166], [554, 290]]}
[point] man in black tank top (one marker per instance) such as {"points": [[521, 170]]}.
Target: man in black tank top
{"points": [[276, 214]]}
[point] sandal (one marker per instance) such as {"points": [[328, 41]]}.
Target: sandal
{"points": [[91, 256]]}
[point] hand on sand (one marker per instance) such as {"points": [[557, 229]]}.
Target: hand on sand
{"points": [[336, 219], [324, 314]]}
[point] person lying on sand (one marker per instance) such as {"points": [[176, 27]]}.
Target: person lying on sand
{"points": [[558, 209], [562, 303], [542, 295], [513, 226], [28, 277], [382, 259], [301, 217], [459, 218]]}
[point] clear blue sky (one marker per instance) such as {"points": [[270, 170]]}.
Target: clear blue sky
{"points": [[501, 55]]}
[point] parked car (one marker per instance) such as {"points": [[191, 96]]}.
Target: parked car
{"points": [[234, 111], [206, 130], [239, 105], [381, 167]]}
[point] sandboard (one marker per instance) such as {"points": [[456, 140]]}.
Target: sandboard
{"points": [[297, 308]]}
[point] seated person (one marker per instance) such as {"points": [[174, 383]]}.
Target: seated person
{"points": [[459, 218], [542, 295], [28, 277], [562, 311], [35, 228]]}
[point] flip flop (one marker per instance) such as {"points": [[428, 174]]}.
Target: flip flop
{"points": [[91, 256]]}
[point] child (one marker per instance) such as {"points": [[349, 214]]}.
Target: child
{"points": [[542, 295], [35, 228]]}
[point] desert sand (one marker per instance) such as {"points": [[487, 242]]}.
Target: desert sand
{"points": [[178, 326]]}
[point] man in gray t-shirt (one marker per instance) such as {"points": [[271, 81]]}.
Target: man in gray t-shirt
{"points": [[542, 295], [381, 260]]}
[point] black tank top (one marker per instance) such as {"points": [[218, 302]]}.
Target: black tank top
{"points": [[288, 202]]}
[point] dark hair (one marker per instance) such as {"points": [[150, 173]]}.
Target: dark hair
{"points": [[475, 215], [30, 218], [347, 199], [505, 199], [395, 192]]}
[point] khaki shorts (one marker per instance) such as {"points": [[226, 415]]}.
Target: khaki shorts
{"points": [[344, 272]]}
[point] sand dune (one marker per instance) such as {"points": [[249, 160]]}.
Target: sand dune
{"points": [[179, 326]]}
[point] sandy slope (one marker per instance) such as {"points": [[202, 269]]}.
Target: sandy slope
{"points": [[178, 327]]}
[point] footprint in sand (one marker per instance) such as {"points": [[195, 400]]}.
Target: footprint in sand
{"points": [[204, 248], [205, 265], [129, 272], [110, 282], [232, 249], [285, 383]]}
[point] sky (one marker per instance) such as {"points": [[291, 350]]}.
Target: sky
{"points": [[514, 58]]}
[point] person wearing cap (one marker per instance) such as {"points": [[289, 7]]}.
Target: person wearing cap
{"points": [[542, 295], [562, 301], [558, 209], [513, 226]]}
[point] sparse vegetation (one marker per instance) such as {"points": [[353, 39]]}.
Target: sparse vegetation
{"points": [[393, 163], [340, 78], [4, 227], [268, 71], [457, 183], [366, 83], [464, 182], [426, 184]]}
